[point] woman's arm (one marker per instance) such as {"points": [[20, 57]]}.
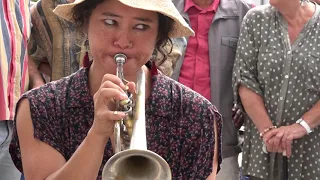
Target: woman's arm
{"points": [[254, 107], [41, 161], [312, 117], [247, 88], [35, 77], [215, 163]]}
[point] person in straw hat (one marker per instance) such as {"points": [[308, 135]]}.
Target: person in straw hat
{"points": [[64, 129]]}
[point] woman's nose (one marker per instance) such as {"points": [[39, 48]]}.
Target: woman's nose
{"points": [[122, 40]]}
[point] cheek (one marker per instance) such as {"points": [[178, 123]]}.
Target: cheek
{"points": [[145, 51], [97, 34], [98, 42], [147, 45]]}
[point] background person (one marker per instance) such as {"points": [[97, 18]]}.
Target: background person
{"points": [[276, 77], [206, 65], [14, 34], [56, 46]]}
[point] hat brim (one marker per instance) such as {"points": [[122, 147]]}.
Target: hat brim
{"points": [[166, 7]]}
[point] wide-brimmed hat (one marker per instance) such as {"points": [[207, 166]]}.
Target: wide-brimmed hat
{"points": [[165, 7]]}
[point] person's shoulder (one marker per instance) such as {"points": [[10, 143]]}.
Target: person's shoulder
{"points": [[168, 87], [43, 9], [50, 92], [181, 91], [260, 13], [47, 91], [247, 3], [163, 81], [184, 98], [264, 10]]}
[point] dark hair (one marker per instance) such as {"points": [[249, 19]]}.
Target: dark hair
{"points": [[82, 12]]}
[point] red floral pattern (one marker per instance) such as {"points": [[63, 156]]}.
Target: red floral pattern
{"points": [[179, 123]]}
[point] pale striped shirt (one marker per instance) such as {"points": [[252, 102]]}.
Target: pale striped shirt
{"points": [[14, 33]]}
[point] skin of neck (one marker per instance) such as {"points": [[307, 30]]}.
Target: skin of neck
{"points": [[95, 78], [300, 15], [203, 3]]}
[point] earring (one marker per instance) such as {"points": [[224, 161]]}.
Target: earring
{"points": [[86, 60], [130, 45], [86, 44]]}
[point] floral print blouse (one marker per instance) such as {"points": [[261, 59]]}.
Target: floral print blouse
{"points": [[179, 123]]}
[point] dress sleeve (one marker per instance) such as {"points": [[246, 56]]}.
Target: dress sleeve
{"points": [[46, 127], [245, 67], [198, 137]]}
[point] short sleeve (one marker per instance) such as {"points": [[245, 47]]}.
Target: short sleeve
{"points": [[46, 127], [245, 67], [198, 146]]}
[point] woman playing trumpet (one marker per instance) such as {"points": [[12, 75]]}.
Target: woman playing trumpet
{"points": [[64, 129]]}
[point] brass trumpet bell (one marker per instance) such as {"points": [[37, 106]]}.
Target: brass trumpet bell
{"points": [[136, 164], [132, 160]]}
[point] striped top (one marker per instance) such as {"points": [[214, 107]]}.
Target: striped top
{"points": [[54, 40], [14, 33]]}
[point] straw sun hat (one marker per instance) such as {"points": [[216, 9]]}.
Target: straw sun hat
{"points": [[165, 7]]}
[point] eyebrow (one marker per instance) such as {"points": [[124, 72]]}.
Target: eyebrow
{"points": [[118, 16]]}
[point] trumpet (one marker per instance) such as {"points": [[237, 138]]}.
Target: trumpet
{"points": [[132, 160]]}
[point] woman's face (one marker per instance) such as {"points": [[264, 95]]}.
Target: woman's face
{"points": [[115, 28]]}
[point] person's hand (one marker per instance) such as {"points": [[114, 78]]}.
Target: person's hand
{"points": [[45, 68], [105, 115], [237, 116], [280, 139], [272, 140]]}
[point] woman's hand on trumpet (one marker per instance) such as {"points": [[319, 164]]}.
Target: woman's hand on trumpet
{"points": [[105, 114]]}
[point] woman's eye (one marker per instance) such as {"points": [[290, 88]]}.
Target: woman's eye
{"points": [[110, 22], [141, 26]]}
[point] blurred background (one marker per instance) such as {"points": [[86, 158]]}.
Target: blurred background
{"points": [[260, 2], [256, 2]]}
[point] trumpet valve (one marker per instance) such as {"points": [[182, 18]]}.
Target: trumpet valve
{"points": [[124, 102]]}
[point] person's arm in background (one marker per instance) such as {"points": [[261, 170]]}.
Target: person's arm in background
{"points": [[254, 107], [36, 79], [237, 113], [246, 85], [38, 58]]}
